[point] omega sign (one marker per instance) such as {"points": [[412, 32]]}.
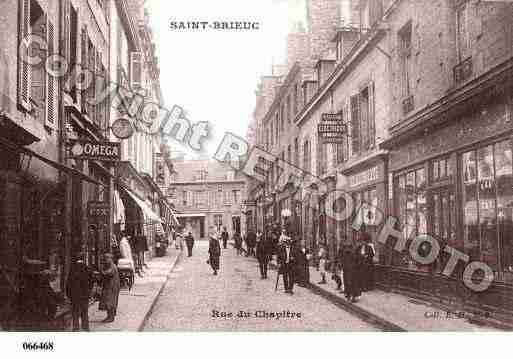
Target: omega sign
{"points": [[100, 151]]}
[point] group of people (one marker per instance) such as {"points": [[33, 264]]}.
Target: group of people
{"points": [[351, 267], [80, 283], [350, 264]]}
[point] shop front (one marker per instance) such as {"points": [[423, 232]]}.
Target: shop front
{"points": [[35, 241], [455, 182], [365, 183]]}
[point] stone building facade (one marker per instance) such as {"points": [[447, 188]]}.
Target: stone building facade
{"points": [[207, 194], [423, 88]]}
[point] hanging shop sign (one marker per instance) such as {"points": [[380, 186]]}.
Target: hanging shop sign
{"points": [[332, 128], [98, 212], [99, 151]]}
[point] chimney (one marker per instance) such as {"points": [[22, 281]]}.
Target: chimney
{"points": [[298, 48], [323, 19]]}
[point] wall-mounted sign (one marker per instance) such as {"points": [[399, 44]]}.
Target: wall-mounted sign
{"points": [[332, 128], [99, 151], [370, 175], [98, 212]]}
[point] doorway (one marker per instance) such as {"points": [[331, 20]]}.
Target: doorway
{"points": [[236, 224]]}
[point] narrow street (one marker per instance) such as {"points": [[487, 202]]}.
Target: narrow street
{"points": [[193, 293]]}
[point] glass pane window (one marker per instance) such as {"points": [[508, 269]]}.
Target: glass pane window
{"points": [[470, 212], [504, 184]]}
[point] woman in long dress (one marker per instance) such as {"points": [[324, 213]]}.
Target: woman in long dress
{"points": [[214, 251], [110, 288]]}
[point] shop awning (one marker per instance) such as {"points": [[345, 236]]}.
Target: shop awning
{"points": [[182, 215], [147, 211], [170, 216], [56, 165]]}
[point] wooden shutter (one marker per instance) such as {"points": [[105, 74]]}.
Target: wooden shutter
{"points": [[372, 116], [24, 82], [135, 70], [84, 65], [51, 82], [66, 41], [98, 74], [355, 123]]}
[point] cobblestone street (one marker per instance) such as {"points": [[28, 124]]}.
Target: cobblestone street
{"points": [[192, 293]]}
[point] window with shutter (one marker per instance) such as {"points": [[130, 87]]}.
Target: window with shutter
{"points": [[355, 124], [51, 83], [37, 89], [66, 40], [73, 48], [372, 115], [135, 70], [23, 67], [84, 64]]}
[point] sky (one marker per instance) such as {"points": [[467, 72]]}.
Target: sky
{"points": [[213, 74]]}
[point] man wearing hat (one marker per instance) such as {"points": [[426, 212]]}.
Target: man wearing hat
{"points": [[287, 259]]}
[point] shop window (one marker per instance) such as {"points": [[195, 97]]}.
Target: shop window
{"points": [[411, 207], [488, 206]]}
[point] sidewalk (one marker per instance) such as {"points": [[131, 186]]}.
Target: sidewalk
{"points": [[135, 306], [402, 312]]}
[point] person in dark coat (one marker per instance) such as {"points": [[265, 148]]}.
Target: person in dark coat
{"points": [[237, 239], [263, 254], [366, 255], [338, 265], [78, 290], [224, 237], [251, 242], [302, 275], [189, 241], [110, 288], [351, 275], [287, 259], [214, 252]]}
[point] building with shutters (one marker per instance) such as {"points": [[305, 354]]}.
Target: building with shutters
{"points": [[207, 193], [423, 88], [45, 192], [134, 66]]}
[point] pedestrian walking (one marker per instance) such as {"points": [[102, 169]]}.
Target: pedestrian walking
{"points": [[263, 254], [337, 266], [323, 263], [110, 288], [366, 255], [237, 239], [350, 273], [78, 290], [303, 265], [287, 259], [214, 252], [189, 242], [251, 242], [224, 237]]}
